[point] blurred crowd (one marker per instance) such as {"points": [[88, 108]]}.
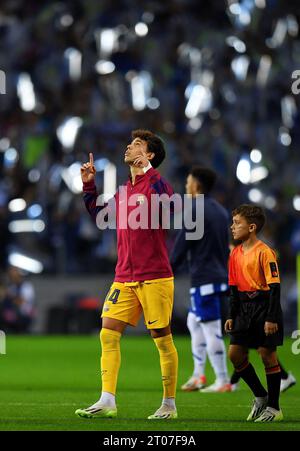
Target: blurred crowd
{"points": [[17, 302], [212, 78]]}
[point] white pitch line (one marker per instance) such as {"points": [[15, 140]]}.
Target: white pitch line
{"points": [[45, 404], [179, 405]]}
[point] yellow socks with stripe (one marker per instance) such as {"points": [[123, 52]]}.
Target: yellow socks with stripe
{"points": [[168, 364], [110, 359]]}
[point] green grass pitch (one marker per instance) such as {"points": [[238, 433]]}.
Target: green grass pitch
{"points": [[44, 379]]}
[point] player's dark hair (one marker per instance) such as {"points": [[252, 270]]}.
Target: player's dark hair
{"points": [[205, 176], [253, 215], [154, 144]]}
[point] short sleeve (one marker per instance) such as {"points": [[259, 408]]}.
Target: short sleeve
{"points": [[270, 266]]}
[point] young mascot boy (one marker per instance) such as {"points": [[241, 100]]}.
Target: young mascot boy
{"points": [[255, 316]]}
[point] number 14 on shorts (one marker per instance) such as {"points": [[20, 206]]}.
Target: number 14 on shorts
{"points": [[113, 297]]}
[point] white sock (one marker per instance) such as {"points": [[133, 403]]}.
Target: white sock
{"points": [[170, 402], [216, 349], [108, 399], [198, 344]]}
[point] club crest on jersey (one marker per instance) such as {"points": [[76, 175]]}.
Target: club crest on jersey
{"points": [[273, 268], [140, 199]]}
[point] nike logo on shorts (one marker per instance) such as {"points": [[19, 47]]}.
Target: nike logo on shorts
{"points": [[151, 322]]}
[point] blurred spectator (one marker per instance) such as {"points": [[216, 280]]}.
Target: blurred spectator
{"points": [[212, 78], [17, 299]]}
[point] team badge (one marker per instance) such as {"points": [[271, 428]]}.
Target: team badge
{"points": [[274, 270], [141, 199]]}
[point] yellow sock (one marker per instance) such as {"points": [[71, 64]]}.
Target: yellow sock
{"points": [[168, 364], [110, 359]]}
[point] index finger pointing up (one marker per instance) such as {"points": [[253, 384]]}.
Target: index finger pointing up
{"points": [[91, 159]]}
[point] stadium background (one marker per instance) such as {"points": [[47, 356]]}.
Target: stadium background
{"points": [[214, 80]]}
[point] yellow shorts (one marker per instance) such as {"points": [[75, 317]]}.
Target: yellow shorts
{"points": [[127, 301]]}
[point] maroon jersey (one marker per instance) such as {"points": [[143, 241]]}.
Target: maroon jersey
{"points": [[142, 253]]}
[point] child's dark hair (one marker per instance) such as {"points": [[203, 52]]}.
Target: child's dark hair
{"points": [[154, 144], [205, 176], [253, 215]]}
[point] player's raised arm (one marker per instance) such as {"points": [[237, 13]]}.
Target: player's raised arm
{"points": [[88, 170], [90, 195]]}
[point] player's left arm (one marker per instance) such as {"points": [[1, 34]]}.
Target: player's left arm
{"points": [[271, 324], [271, 272]]}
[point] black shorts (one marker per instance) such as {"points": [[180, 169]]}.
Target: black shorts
{"points": [[248, 326]]}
